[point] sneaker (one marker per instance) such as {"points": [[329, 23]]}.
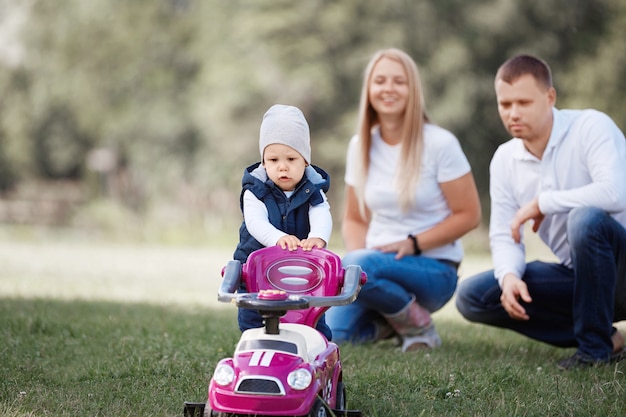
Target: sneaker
{"points": [[429, 339], [618, 356], [579, 360]]}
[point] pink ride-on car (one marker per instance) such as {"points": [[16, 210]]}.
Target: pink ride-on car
{"points": [[287, 368]]}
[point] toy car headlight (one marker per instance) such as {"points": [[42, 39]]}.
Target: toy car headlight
{"points": [[299, 379], [223, 374]]}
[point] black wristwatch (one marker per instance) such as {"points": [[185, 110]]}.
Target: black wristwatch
{"points": [[416, 246]]}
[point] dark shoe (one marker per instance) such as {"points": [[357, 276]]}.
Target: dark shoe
{"points": [[618, 356], [579, 360], [576, 361]]}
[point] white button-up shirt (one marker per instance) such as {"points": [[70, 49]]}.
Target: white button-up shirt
{"points": [[583, 165]]}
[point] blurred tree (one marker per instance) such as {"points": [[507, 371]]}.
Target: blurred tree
{"points": [[178, 87], [58, 147], [8, 177], [124, 70]]}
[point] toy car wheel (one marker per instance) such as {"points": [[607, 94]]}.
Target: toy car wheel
{"points": [[341, 397], [320, 409], [212, 413]]}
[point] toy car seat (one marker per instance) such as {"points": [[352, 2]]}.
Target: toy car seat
{"points": [[316, 273]]}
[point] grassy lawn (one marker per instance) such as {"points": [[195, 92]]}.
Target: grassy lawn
{"points": [[105, 330]]}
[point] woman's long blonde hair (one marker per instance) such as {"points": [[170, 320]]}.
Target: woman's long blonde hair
{"points": [[412, 142]]}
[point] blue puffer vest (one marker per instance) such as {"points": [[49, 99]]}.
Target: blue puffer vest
{"points": [[291, 215]]}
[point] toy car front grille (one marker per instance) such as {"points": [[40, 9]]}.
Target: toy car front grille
{"points": [[260, 386]]}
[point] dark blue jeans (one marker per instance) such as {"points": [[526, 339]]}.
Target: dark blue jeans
{"points": [[571, 307], [389, 287]]}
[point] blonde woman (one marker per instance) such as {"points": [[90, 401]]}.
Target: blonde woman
{"points": [[410, 197]]}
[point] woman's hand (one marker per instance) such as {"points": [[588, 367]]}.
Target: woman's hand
{"points": [[401, 248]]}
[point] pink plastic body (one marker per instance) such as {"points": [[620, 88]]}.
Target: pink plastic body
{"points": [[262, 362], [317, 273]]}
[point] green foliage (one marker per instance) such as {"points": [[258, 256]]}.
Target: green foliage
{"points": [[59, 149], [178, 87], [7, 172]]}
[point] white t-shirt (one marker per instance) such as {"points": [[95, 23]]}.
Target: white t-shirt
{"points": [[443, 160]]}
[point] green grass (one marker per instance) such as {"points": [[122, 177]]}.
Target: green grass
{"points": [[479, 371], [107, 330], [81, 358], [78, 358]]}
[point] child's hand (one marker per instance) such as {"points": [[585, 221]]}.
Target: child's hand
{"points": [[312, 242], [288, 242]]}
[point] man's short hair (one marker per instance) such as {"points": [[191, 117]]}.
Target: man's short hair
{"points": [[521, 65]]}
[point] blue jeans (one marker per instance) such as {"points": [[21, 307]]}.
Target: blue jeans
{"points": [[571, 307], [389, 287]]}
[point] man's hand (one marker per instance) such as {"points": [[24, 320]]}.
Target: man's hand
{"points": [[529, 212], [514, 289]]}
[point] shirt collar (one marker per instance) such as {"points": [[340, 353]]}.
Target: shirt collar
{"points": [[521, 153], [560, 126]]}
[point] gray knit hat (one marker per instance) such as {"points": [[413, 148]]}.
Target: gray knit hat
{"points": [[286, 125]]}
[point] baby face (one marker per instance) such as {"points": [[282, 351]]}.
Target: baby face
{"points": [[284, 165]]}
